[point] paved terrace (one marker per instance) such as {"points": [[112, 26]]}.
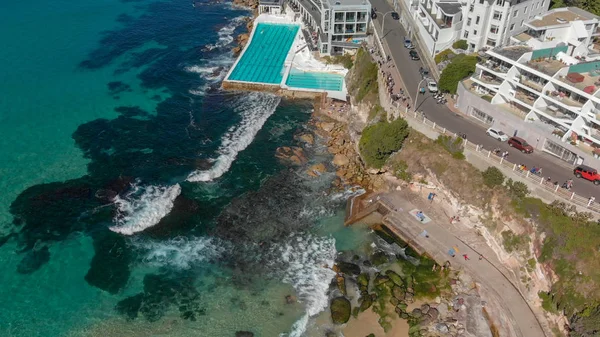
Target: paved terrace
{"points": [[498, 284]]}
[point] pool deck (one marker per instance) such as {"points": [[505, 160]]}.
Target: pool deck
{"points": [[298, 46]]}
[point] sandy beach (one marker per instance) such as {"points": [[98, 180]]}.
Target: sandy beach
{"points": [[367, 323]]}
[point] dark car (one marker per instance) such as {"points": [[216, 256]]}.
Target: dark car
{"points": [[395, 16], [520, 144], [588, 173], [373, 13], [413, 55], [408, 44]]}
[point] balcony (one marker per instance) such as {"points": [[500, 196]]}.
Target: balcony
{"points": [[564, 99], [495, 67], [546, 66], [530, 83], [490, 79], [557, 112], [590, 82], [525, 97], [515, 109]]}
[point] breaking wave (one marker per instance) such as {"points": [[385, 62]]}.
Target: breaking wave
{"points": [[143, 207], [226, 34], [255, 109], [309, 260], [181, 252]]}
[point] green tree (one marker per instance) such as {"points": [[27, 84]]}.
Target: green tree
{"points": [[443, 56], [516, 189], [586, 323], [461, 66], [460, 44], [492, 176], [379, 141]]}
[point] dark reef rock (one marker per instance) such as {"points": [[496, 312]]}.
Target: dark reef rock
{"points": [[348, 268], [33, 260], [161, 292], [131, 111], [109, 269], [118, 87]]}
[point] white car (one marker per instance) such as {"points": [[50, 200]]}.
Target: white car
{"points": [[432, 86], [497, 134]]}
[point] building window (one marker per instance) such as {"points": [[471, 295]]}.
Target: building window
{"points": [[525, 10], [482, 116], [512, 26], [324, 49], [471, 8], [481, 2], [474, 32], [515, 13], [468, 21], [497, 15], [499, 2], [477, 20], [466, 35], [522, 22], [491, 43], [494, 29]]}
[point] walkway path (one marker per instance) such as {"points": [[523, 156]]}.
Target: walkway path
{"points": [[442, 237]]}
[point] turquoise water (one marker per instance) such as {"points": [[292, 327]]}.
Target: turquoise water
{"points": [[315, 80], [263, 59]]}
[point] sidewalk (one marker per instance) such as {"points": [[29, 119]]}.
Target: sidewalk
{"points": [[520, 318]]}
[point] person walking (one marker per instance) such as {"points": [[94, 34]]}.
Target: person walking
{"points": [[466, 257], [591, 201], [480, 257]]}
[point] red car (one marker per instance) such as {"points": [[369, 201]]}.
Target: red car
{"points": [[588, 173], [520, 144]]}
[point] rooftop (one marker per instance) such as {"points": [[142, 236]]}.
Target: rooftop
{"points": [[590, 82], [547, 66], [523, 37], [513, 52], [449, 8], [561, 16]]}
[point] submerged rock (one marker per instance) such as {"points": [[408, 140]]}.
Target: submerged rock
{"points": [[365, 303], [294, 156], [398, 293], [340, 310], [395, 278], [380, 258], [33, 260], [244, 334], [109, 269]]}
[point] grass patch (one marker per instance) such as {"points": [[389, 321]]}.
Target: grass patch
{"points": [[364, 84], [487, 98], [346, 60], [513, 242], [375, 112]]}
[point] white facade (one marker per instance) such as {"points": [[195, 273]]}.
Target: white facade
{"points": [[334, 26], [491, 23], [551, 80], [439, 23]]}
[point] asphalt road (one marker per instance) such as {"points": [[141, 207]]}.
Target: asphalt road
{"points": [[393, 37]]}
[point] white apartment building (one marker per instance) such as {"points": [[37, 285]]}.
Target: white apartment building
{"points": [[439, 23], [546, 88], [490, 23], [334, 26]]}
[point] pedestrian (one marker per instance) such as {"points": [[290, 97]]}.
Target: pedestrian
{"points": [[480, 257], [431, 196], [591, 201], [466, 257]]}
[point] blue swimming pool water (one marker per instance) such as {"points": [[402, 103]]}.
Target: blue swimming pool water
{"points": [[315, 80], [263, 60]]}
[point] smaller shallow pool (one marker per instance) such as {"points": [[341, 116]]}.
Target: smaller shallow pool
{"points": [[315, 80]]}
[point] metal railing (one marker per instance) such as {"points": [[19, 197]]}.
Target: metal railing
{"points": [[491, 158]]}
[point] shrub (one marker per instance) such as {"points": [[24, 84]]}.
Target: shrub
{"points": [[492, 177], [487, 98], [376, 111], [452, 145], [513, 242], [379, 141], [516, 189], [443, 56], [364, 77], [547, 303], [460, 44], [460, 67], [400, 170]]}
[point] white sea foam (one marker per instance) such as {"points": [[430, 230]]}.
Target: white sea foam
{"points": [[143, 207], [255, 109], [308, 260], [181, 252], [226, 33], [200, 70]]}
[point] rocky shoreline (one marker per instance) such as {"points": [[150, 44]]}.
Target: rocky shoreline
{"points": [[242, 38]]}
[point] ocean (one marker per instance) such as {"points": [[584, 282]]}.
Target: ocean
{"points": [[139, 199]]}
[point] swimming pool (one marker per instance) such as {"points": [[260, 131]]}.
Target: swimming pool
{"points": [[315, 80], [263, 59]]}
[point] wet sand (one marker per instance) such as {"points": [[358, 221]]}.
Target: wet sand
{"points": [[367, 323]]}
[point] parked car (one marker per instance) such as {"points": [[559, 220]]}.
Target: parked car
{"points": [[408, 43], [413, 55], [395, 16], [424, 72], [373, 13], [497, 134], [432, 86], [588, 173], [520, 144]]}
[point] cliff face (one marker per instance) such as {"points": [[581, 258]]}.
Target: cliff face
{"points": [[253, 4]]}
